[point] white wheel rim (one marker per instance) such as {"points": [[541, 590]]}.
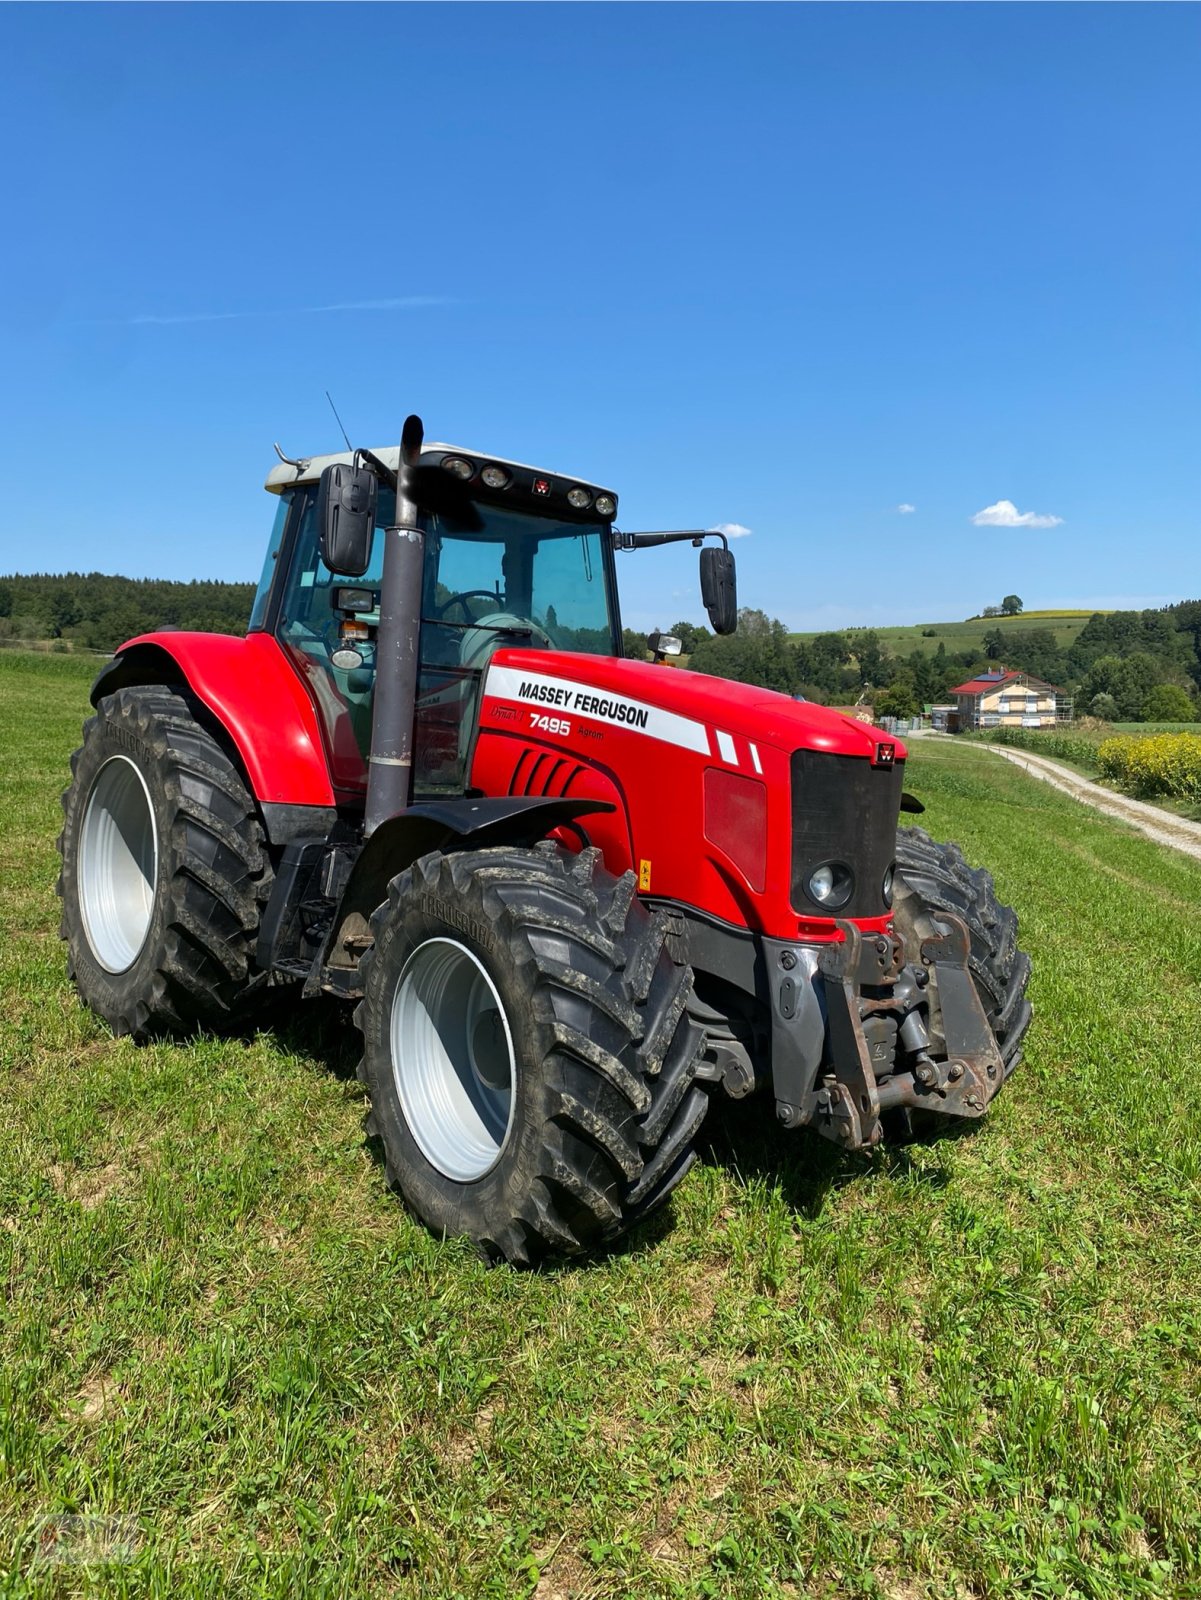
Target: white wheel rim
{"points": [[452, 1059], [117, 865]]}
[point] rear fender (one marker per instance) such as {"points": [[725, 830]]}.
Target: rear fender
{"points": [[255, 696]]}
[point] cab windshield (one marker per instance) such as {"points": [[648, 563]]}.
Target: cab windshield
{"points": [[534, 579], [496, 578]]}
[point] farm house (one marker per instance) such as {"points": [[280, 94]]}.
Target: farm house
{"points": [[1002, 699]]}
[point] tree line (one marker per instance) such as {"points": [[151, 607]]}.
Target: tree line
{"points": [[1124, 666], [1127, 666], [97, 611]]}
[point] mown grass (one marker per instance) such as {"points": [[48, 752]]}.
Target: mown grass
{"points": [[964, 1369]]}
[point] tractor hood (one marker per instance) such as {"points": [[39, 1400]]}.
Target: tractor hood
{"points": [[576, 683], [722, 797]]}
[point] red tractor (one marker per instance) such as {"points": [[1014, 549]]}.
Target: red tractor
{"points": [[572, 897]]}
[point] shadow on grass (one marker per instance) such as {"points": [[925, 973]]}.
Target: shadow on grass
{"points": [[745, 1138], [322, 1028]]}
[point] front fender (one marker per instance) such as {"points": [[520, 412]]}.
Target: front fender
{"points": [[252, 691], [460, 822]]}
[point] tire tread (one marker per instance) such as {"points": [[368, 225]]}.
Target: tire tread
{"points": [[942, 879]]}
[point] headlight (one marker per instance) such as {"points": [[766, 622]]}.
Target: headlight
{"points": [[606, 505], [495, 477], [579, 498], [830, 886], [459, 466], [887, 886]]}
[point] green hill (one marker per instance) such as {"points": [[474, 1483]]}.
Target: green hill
{"points": [[966, 635]]}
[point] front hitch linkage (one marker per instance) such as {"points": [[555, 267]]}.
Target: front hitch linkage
{"points": [[845, 1103]]}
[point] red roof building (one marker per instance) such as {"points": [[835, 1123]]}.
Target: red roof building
{"points": [[1004, 699]]}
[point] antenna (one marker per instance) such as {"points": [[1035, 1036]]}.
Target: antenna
{"points": [[338, 420]]}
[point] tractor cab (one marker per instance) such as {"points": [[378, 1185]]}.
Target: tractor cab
{"points": [[512, 556]]}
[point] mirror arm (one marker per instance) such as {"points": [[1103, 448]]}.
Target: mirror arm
{"points": [[642, 541], [382, 471]]}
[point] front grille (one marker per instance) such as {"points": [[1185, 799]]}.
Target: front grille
{"points": [[844, 809]]}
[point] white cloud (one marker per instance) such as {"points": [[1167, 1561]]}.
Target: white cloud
{"points": [[732, 530], [1006, 515], [906, 509]]}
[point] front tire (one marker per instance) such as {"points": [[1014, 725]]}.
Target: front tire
{"points": [[164, 870], [527, 1050]]}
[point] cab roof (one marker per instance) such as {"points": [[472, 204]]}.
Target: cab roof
{"points": [[310, 468]]}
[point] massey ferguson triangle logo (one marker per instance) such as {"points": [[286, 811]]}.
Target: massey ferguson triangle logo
{"points": [[886, 754]]}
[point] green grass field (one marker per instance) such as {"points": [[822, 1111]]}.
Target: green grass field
{"points": [[965, 1369], [1065, 625]]}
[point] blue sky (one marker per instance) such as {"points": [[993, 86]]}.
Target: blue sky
{"points": [[790, 267]]}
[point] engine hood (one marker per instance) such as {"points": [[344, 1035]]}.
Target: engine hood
{"points": [[761, 715]]}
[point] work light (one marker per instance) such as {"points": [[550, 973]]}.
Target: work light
{"points": [[459, 466], [581, 499]]}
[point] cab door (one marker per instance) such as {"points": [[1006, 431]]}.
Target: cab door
{"points": [[307, 624]]}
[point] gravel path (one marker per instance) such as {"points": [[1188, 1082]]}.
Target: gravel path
{"points": [[1162, 826]]}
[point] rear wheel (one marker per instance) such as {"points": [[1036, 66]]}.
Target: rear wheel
{"points": [[528, 1051], [933, 877], [164, 870]]}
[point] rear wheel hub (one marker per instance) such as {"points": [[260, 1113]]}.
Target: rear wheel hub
{"points": [[118, 864]]}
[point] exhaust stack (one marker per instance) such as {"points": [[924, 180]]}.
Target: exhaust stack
{"points": [[390, 765]]}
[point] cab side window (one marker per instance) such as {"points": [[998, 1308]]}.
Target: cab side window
{"points": [[258, 611], [308, 630]]}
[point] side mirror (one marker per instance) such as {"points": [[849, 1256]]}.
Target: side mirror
{"points": [[346, 499], [719, 588]]}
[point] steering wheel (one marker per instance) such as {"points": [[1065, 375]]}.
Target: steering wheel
{"points": [[462, 598], [478, 642]]}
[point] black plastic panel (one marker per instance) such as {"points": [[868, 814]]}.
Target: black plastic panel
{"points": [[844, 809]]}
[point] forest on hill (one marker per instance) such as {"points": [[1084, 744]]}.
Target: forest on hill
{"points": [[1127, 666], [96, 610]]}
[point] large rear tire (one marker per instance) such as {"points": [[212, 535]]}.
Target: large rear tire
{"points": [[164, 870], [933, 877], [528, 1051]]}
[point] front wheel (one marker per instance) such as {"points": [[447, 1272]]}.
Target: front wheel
{"points": [[528, 1051], [933, 878]]}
